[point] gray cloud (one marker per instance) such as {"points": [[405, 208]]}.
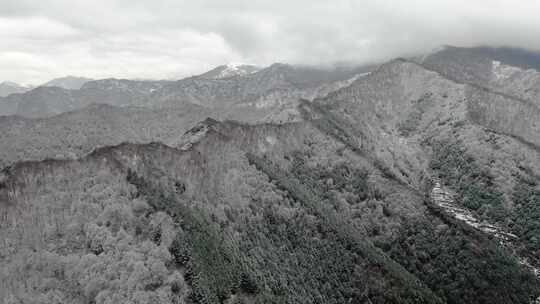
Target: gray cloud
{"points": [[172, 39]]}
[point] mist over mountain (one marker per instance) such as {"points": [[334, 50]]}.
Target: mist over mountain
{"points": [[7, 88], [68, 82], [416, 180]]}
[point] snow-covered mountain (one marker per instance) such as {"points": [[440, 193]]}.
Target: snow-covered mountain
{"points": [[230, 70], [68, 82], [389, 185], [246, 87], [8, 87]]}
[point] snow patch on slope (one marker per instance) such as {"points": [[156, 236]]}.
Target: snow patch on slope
{"points": [[502, 71], [234, 69], [444, 198]]}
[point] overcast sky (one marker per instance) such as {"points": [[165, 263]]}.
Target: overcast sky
{"points": [[41, 40]]}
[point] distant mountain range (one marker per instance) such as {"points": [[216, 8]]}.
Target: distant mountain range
{"points": [[263, 90], [7, 88], [68, 82]]}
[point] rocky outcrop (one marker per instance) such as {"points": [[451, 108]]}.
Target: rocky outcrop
{"points": [[443, 197]]}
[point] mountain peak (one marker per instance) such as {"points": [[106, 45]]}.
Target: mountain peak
{"points": [[230, 70], [195, 134], [9, 87], [68, 82]]}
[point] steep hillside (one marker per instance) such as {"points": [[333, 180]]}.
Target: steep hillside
{"points": [[511, 71], [395, 109], [239, 213], [418, 124], [415, 182], [73, 134]]}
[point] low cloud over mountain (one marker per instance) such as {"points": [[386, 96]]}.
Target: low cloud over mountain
{"points": [[158, 39]]}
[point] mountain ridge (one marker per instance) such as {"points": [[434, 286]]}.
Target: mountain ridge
{"points": [[274, 84], [194, 171], [333, 205], [8, 88], [67, 82]]}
